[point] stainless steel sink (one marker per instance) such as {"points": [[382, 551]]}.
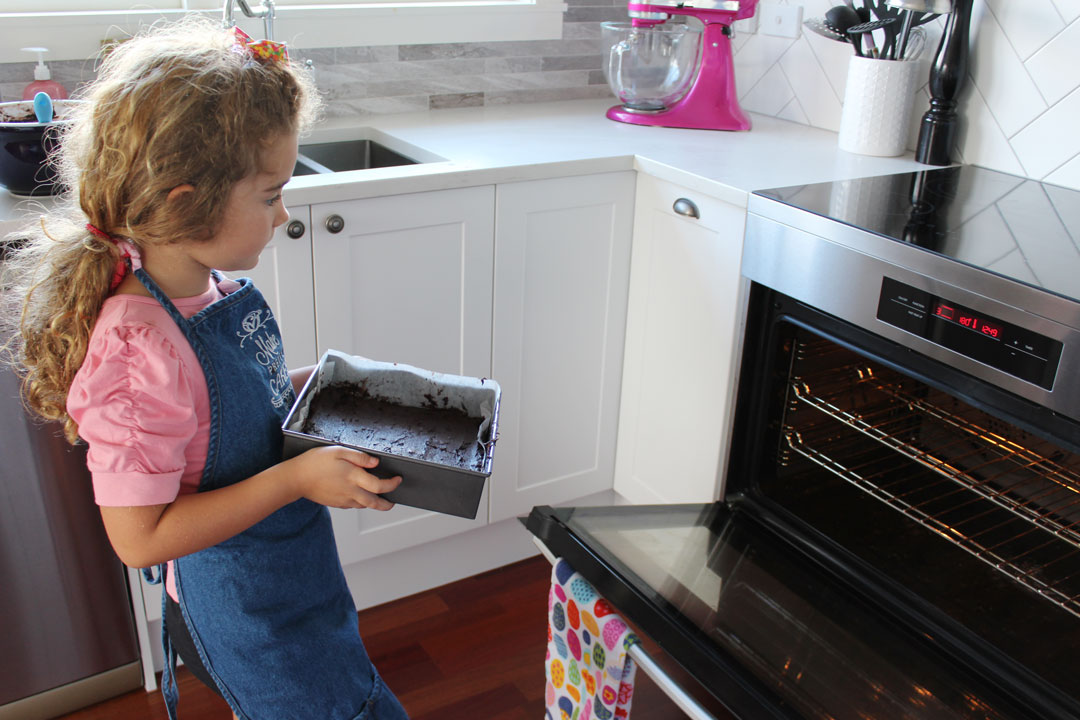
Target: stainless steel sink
{"points": [[331, 157]]}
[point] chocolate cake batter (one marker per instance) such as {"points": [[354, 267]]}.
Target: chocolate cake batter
{"points": [[346, 414]]}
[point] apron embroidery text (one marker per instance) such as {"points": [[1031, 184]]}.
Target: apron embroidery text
{"points": [[269, 353]]}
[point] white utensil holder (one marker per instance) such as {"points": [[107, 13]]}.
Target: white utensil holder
{"points": [[877, 106]]}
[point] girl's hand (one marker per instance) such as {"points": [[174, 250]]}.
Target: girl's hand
{"points": [[338, 477]]}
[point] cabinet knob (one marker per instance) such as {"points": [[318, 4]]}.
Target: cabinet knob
{"points": [[686, 208], [335, 223], [295, 229]]}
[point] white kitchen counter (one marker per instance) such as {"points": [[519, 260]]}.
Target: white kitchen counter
{"points": [[525, 142]]}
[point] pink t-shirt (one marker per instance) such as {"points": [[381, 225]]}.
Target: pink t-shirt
{"points": [[141, 402]]}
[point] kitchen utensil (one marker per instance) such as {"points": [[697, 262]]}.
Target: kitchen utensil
{"points": [[866, 16], [648, 72], [818, 26], [43, 108], [916, 45], [937, 7], [907, 17], [880, 11], [911, 13], [840, 18], [858, 32]]}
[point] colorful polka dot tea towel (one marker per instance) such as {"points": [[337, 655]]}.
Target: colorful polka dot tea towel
{"points": [[590, 675]]}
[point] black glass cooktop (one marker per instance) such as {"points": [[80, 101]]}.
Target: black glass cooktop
{"points": [[1022, 229]]}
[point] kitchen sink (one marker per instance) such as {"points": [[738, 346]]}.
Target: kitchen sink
{"points": [[331, 157]]}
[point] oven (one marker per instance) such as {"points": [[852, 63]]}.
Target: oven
{"points": [[899, 534]]}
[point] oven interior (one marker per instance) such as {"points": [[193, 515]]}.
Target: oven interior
{"points": [[963, 521]]}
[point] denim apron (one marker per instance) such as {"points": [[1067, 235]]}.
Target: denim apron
{"points": [[269, 610]]}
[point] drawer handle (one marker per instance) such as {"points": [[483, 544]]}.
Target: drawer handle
{"points": [[686, 208], [295, 229], [335, 223]]}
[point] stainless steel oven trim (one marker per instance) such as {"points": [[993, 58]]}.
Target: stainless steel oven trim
{"points": [[841, 274], [669, 687], [1018, 296]]}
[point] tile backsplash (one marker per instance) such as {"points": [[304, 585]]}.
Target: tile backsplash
{"points": [[1019, 109], [1020, 106]]}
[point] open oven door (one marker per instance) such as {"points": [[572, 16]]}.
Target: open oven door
{"points": [[766, 629]]}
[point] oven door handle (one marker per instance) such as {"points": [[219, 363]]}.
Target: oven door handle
{"points": [[669, 687]]}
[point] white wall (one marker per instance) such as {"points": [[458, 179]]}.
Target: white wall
{"points": [[1020, 107]]}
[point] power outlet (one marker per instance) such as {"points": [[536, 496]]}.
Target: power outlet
{"points": [[779, 20]]}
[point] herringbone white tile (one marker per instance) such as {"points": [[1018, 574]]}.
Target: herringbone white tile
{"points": [[1051, 140], [1055, 68], [1029, 24]]}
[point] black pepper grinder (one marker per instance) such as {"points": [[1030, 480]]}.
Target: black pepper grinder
{"points": [[937, 133]]}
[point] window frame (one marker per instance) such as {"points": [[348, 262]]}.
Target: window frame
{"points": [[78, 35]]}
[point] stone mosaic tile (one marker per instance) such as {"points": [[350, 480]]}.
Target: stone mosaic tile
{"points": [[380, 53], [517, 48], [319, 57], [378, 106], [581, 31], [512, 64], [11, 91], [443, 102], [450, 50], [14, 72], [594, 14], [406, 71], [571, 62], [511, 97]]}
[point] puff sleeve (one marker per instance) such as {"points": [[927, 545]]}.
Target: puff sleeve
{"points": [[134, 403]]}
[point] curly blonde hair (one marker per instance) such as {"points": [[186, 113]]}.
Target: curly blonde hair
{"points": [[177, 104]]}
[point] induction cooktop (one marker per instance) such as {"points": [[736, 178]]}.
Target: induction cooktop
{"points": [[1022, 229]]}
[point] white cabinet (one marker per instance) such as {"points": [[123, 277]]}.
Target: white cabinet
{"points": [[562, 255], [283, 275], [405, 278], [683, 339], [526, 283]]}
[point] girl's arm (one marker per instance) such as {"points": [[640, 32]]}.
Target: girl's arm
{"points": [[334, 476]]}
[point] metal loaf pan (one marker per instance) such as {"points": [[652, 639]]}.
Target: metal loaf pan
{"points": [[428, 485]]}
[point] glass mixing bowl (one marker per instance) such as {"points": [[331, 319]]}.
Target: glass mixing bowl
{"points": [[649, 68]]}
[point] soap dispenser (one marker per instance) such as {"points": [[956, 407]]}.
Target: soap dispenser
{"points": [[43, 81]]}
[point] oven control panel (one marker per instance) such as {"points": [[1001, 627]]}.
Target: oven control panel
{"points": [[1010, 348]]}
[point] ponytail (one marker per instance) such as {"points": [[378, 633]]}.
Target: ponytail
{"points": [[57, 274]]}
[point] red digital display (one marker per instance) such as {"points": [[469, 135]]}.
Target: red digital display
{"points": [[966, 318]]}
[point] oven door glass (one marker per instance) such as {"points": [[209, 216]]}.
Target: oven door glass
{"points": [[768, 632]]}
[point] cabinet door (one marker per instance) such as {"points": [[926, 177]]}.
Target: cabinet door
{"points": [[561, 272], [283, 275], [684, 330], [406, 278]]}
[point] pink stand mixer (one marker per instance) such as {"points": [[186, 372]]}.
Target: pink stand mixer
{"points": [[672, 75]]}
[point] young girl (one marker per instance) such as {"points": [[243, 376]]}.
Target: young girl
{"points": [[175, 377]]}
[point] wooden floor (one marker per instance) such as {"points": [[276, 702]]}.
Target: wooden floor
{"points": [[468, 650]]}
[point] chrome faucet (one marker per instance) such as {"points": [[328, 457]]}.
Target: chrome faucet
{"points": [[265, 11]]}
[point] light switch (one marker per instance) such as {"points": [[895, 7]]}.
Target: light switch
{"points": [[779, 20]]}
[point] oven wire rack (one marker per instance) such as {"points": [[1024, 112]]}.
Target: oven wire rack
{"points": [[971, 469]]}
